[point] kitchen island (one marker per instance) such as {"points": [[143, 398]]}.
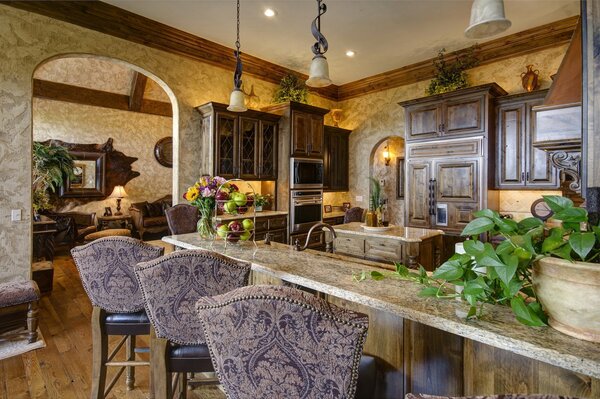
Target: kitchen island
{"points": [[423, 344], [409, 245]]}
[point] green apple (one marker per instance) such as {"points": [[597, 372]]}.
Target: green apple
{"points": [[245, 236], [239, 198], [248, 224], [222, 230], [230, 207]]}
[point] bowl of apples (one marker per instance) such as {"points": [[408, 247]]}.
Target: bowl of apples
{"points": [[236, 230]]}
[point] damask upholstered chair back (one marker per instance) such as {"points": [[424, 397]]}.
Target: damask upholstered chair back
{"points": [[182, 218], [355, 214], [173, 284], [280, 342], [106, 269], [508, 396]]}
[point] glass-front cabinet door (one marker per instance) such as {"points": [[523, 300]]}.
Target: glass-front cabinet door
{"points": [[249, 148], [267, 168], [227, 146]]}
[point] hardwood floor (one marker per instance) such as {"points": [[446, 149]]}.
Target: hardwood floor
{"points": [[62, 369]]}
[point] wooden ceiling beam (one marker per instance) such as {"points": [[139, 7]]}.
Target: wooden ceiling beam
{"points": [[97, 98], [138, 87]]}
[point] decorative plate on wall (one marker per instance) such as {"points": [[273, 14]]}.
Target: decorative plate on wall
{"points": [[540, 210], [163, 151]]}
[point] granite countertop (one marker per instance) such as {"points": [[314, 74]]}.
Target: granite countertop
{"points": [[334, 214], [406, 234], [332, 274], [250, 215]]}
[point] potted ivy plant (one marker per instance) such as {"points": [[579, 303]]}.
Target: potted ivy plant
{"points": [[291, 88], [52, 165], [537, 273]]}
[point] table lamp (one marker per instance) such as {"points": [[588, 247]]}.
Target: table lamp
{"points": [[118, 193]]}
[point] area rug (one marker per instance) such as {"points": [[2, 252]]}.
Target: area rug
{"points": [[14, 343]]}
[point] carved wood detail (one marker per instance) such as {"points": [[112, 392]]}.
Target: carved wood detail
{"points": [[118, 170]]}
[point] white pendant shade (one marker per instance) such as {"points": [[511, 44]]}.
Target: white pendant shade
{"points": [[487, 19], [319, 72], [237, 101]]}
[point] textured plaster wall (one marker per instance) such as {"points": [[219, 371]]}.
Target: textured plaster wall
{"points": [[387, 175], [134, 134], [376, 116]]}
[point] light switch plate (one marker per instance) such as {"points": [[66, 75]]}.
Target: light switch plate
{"points": [[359, 198], [15, 215]]}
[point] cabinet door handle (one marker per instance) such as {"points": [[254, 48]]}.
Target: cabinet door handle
{"points": [[440, 129], [523, 176], [527, 175]]}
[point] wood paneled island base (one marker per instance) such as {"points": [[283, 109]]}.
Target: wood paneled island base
{"points": [[423, 344]]}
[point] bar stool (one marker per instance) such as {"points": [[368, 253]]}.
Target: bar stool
{"points": [[279, 342], [182, 218], [106, 269], [171, 286]]}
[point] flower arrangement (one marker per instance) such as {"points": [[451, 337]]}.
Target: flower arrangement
{"points": [[262, 200], [203, 195]]}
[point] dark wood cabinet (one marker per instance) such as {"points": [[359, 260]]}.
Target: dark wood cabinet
{"points": [[245, 144], [461, 113], [519, 164], [450, 157], [335, 158], [307, 134]]}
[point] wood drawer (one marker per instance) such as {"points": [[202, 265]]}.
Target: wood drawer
{"points": [[384, 249], [276, 236], [350, 245], [333, 221], [316, 239], [261, 224], [454, 148], [278, 223]]}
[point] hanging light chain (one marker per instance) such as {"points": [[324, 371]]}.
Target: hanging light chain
{"points": [[237, 76], [237, 42], [321, 46]]}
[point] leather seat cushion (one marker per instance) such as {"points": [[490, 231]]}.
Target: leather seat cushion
{"points": [[155, 221], [189, 358], [84, 231], [127, 323], [367, 378]]}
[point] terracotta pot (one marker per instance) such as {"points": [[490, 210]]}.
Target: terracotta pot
{"points": [[570, 295]]}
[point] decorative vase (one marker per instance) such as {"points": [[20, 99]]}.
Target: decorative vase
{"points": [[205, 225], [570, 295], [529, 79]]}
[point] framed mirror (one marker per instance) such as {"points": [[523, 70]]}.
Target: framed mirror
{"points": [[163, 151], [89, 177], [400, 178]]}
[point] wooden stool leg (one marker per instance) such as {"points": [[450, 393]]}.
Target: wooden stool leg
{"points": [[99, 354], [161, 377], [130, 353], [183, 386], [32, 321]]}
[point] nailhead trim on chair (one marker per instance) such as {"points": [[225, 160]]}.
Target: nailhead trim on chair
{"points": [[358, 348], [130, 240]]}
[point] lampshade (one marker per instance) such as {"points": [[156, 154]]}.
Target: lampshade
{"points": [[237, 101], [118, 192], [319, 72], [487, 19]]}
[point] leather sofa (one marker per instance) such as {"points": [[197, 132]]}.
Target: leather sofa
{"points": [[149, 217], [72, 227]]}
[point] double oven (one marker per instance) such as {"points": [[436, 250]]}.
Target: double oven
{"points": [[306, 193]]}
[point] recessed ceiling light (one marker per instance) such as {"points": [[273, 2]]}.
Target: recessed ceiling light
{"points": [[350, 53], [269, 12]]}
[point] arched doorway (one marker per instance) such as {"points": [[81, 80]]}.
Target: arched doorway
{"points": [[389, 172]]}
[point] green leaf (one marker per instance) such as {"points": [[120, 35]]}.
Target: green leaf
{"points": [[525, 314], [428, 291], [478, 226], [582, 243], [573, 226], [375, 275], [514, 286], [401, 269], [505, 247], [507, 271], [472, 312], [563, 252], [473, 247], [488, 213], [472, 299], [529, 223], [449, 270], [557, 203], [489, 258], [596, 230], [554, 240], [572, 215], [475, 287]]}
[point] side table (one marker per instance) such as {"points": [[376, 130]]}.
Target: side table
{"points": [[123, 221]]}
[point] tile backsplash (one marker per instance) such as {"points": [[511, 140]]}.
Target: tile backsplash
{"points": [[518, 202]]}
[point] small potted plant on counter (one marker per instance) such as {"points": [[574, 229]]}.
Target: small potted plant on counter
{"points": [[558, 267], [260, 201]]}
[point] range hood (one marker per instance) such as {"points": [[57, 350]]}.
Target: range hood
{"points": [[558, 121]]}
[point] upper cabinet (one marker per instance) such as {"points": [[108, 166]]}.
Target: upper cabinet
{"points": [[245, 144], [307, 134], [519, 164], [456, 114], [336, 158]]}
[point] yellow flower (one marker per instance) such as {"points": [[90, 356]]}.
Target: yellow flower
{"points": [[192, 193]]}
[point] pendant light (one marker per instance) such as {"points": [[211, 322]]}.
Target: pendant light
{"points": [[237, 98], [319, 70], [487, 19]]}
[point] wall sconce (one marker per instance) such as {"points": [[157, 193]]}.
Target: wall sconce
{"points": [[386, 155]]}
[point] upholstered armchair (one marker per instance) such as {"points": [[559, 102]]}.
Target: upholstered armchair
{"points": [[171, 286], [182, 218], [72, 227], [106, 267], [149, 217], [280, 342]]}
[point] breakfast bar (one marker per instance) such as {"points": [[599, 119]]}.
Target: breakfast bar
{"points": [[425, 344]]}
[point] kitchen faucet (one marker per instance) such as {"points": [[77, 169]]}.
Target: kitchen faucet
{"points": [[328, 245]]}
